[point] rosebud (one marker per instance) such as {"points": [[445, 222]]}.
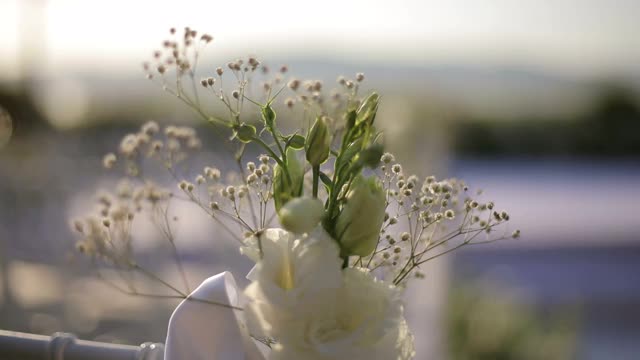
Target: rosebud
{"points": [[360, 221], [318, 142], [269, 116], [368, 109], [301, 215]]}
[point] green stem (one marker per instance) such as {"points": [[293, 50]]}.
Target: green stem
{"points": [[316, 178], [269, 150], [210, 119], [275, 138], [336, 181], [155, 277]]}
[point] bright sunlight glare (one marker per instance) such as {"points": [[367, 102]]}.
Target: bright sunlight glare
{"points": [[566, 35]]}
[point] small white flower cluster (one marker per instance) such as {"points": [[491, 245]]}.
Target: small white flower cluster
{"points": [[171, 149], [241, 201], [424, 215], [181, 54], [308, 92], [106, 234], [311, 95], [236, 199]]}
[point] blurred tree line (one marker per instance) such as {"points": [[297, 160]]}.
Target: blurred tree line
{"points": [[18, 102], [610, 128]]}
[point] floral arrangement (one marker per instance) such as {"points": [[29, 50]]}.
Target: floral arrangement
{"points": [[335, 226]]}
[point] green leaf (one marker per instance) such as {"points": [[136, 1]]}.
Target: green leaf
{"points": [[326, 181], [244, 132], [296, 172], [295, 141], [351, 119], [370, 157], [281, 193], [352, 150]]}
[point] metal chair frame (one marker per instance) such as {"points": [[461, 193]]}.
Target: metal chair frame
{"points": [[65, 346]]}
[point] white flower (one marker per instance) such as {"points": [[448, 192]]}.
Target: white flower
{"points": [[292, 272], [301, 214], [300, 297], [364, 321]]}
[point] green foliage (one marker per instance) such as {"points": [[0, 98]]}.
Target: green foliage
{"points": [[359, 148], [490, 323]]}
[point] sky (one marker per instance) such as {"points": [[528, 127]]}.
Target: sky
{"points": [[578, 37]]}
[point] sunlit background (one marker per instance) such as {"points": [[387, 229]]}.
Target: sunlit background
{"points": [[535, 102]]}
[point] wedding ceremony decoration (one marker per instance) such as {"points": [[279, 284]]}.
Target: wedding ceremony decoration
{"points": [[336, 227]]}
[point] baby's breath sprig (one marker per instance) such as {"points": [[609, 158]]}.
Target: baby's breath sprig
{"points": [[426, 219], [352, 132], [174, 66], [106, 237]]}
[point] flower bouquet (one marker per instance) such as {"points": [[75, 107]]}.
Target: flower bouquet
{"points": [[335, 226]]}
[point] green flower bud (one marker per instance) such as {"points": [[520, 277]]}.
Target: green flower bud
{"points": [[359, 223], [318, 142], [244, 132], [301, 215], [286, 187], [368, 109], [269, 116]]}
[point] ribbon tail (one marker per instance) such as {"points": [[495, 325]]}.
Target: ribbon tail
{"points": [[208, 325]]}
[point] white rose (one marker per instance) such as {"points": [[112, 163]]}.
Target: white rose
{"points": [[293, 272], [300, 297]]}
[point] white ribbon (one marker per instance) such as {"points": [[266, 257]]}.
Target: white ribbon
{"points": [[200, 330]]}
